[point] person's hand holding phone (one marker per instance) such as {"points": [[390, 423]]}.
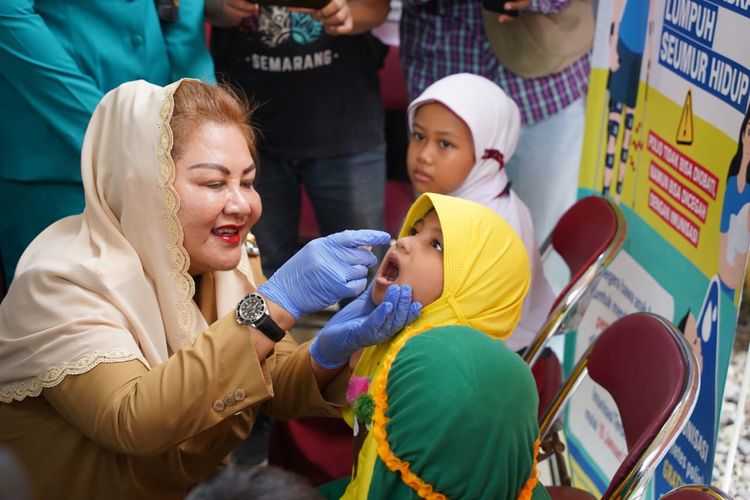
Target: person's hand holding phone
{"points": [[336, 17], [508, 10]]}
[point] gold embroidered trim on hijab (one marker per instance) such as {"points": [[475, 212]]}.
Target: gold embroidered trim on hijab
{"points": [[184, 283], [53, 376]]}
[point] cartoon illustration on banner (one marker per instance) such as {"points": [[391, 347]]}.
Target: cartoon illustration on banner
{"points": [[668, 138]]}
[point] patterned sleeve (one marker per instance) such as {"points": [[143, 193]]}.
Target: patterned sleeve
{"points": [[547, 6]]}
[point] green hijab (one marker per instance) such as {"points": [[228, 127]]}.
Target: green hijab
{"points": [[459, 420]]}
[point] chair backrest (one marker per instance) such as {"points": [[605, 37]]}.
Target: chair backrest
{"points": [[584, 232], [588, 237], [651, 373], [308, 224], [547, 373], [398, 199], [696, 492], [392, 81]]}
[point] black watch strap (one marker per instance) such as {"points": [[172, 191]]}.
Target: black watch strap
{"points": [[268, 327]]}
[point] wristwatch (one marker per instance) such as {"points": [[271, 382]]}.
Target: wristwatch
{"points": [[253, 311]]}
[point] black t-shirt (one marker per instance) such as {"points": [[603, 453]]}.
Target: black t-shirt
{"points": [[317, 96]]}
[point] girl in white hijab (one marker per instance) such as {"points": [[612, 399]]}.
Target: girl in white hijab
{"points": [[127, 368], [464, 130]]}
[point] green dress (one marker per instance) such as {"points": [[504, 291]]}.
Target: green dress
{"points": [[57, 60], [460, 411]]}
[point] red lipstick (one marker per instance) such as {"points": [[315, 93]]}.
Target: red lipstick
{"points": [[230, 234]]}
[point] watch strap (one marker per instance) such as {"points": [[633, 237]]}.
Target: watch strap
{"points": [[268, 327]]}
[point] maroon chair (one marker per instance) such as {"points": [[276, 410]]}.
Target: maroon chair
{"points": [[568, 493], [651, 373], [588, 237], [393, 82], [696, 492], [308, 225], [398, 199], [547, 373], [319, 449]]}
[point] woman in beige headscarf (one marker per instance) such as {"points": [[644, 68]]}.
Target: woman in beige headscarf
{"points": [[127, 369]]}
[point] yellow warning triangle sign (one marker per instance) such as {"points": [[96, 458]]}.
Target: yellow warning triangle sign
{"points": [[685, 128]]}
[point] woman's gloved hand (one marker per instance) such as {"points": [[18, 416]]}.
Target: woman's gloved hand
{"points": [[325, 271], [362, 324]]}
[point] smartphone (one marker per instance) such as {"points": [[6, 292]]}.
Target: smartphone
{"points": [[304, 4], [499, 7]]}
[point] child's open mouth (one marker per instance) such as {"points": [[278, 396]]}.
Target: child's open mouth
{"points": [[390, 271]]}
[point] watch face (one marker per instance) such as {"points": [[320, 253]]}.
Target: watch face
{"points": [[251, 309]]}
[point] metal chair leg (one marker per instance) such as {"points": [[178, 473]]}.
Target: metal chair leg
{"points": [[552, 445]]}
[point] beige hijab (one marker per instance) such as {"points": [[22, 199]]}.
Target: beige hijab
{"points": [[110, 284]]}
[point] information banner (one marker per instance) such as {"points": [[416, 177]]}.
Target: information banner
{"points": [[667, 138]]}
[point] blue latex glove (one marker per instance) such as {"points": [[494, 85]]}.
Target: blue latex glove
{"points": [[362, 324], [325, 271]]}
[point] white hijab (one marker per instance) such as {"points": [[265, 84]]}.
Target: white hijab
{"points": [[110, 284], [495, 124]]}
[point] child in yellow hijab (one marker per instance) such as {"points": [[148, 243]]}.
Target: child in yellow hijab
{"points": [[468, 267], [480, 279]]}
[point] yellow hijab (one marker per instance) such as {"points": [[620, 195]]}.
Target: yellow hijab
{"points": [[486, 277]]}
